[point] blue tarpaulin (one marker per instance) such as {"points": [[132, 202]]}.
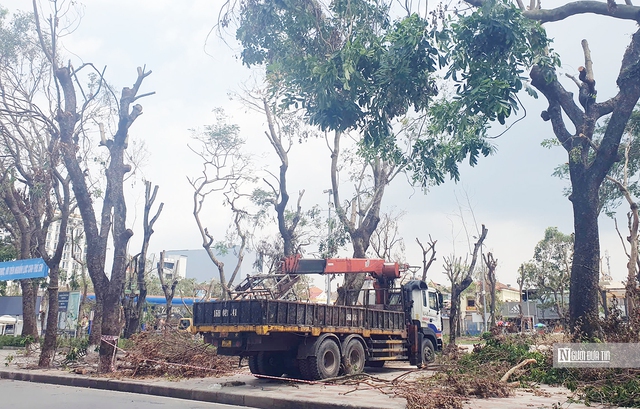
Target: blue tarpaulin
{"points": [[21, 269]]}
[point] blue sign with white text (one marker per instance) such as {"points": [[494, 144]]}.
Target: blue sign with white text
{"points": [[21, 269]]}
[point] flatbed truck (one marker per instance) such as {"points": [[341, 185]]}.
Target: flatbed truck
{"points": [[318, 341]]}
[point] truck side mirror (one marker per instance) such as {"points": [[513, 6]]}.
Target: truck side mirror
{"points": [[440, 301]]}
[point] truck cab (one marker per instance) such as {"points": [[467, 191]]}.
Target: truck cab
{"points": [[424, 309]]}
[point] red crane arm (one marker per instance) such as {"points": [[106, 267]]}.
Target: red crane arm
{"points": [[376, 267]]}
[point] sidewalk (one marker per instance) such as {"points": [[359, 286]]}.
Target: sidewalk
{"points": [[245, 390]]}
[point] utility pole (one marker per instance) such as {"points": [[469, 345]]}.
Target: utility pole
{"points": [[327, 285]]}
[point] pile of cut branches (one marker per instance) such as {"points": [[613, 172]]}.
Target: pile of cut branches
{"points": [[174, 354]]}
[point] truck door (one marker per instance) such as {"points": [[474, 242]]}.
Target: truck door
{"points": [[433, 310]]}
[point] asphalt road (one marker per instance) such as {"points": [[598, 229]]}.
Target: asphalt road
{"points": [[27, 395]]}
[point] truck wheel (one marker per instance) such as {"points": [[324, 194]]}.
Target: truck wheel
{"points": [[428, 352], [253, 365], [266, 363], [326, 363], [353, 360]]}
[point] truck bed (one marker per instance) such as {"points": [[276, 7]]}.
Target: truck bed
{"points": [[278, 313]]}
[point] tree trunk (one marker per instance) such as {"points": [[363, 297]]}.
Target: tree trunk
{"points": [[29, 316], [96, 323], [454, 314], [585, 271], [51, 334], [348, 294], [111, 328]]}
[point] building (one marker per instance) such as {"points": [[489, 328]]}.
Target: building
{"points": [[472, 310], [175, 267], [75, 249]]}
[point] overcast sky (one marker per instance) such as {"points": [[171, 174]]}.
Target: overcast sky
{"points": [[511, 192]]}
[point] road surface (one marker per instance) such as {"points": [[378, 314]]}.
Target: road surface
{"points": [[27, 395]]}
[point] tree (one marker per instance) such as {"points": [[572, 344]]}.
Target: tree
{"points": [[225, 167], [430, 248], [620, 176], [281, 129], [589, 162], [460, 275], [526, 272], [132, 313], [168, 287], [351, 69], [386, 241], [552, 260], [34, 186], [492, 264], [70, 121]]}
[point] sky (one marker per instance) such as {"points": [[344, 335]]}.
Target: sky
{"points": [[512, 192]]}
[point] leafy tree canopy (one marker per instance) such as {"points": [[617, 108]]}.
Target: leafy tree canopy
{"points": [[352, 66]]}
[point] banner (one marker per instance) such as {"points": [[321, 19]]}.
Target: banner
{"points": [[21, 269]]}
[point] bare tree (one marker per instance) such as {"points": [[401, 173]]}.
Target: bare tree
{"points": [[492, 264], [134, 313], [526, 273], [34, 186], [386, 241], [225, 166], [168, 288], [430, 248], [70, 123], [461, 276]]}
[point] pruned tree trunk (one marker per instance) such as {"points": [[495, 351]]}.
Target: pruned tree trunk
{"points": [[461, 278], [431, 248], [491, 264], [134, 313], [169, 290]]}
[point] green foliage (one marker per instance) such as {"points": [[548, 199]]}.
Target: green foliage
{"points": [[11, 341], [550, 269], [16, 36], [7, 253], [487, 52], [352, 68], [74, 348]]}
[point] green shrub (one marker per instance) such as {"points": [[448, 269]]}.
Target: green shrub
{"points": [[11, 341]]}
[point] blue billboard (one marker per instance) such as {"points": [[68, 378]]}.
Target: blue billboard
{"points": [[21, 269]]}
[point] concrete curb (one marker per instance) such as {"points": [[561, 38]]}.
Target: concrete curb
{"points": [[182, 392]]}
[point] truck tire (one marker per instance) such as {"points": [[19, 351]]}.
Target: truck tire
{"points": [[428, 352], [266, 363], [253, 365], [354, 358], [325, 363]]}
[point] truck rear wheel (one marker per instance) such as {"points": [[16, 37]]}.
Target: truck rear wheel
{"points": [[428, 352], [354, 358], [266, 363], [325, 363]]}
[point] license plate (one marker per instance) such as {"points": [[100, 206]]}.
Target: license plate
{"points": [[226, 343]]}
